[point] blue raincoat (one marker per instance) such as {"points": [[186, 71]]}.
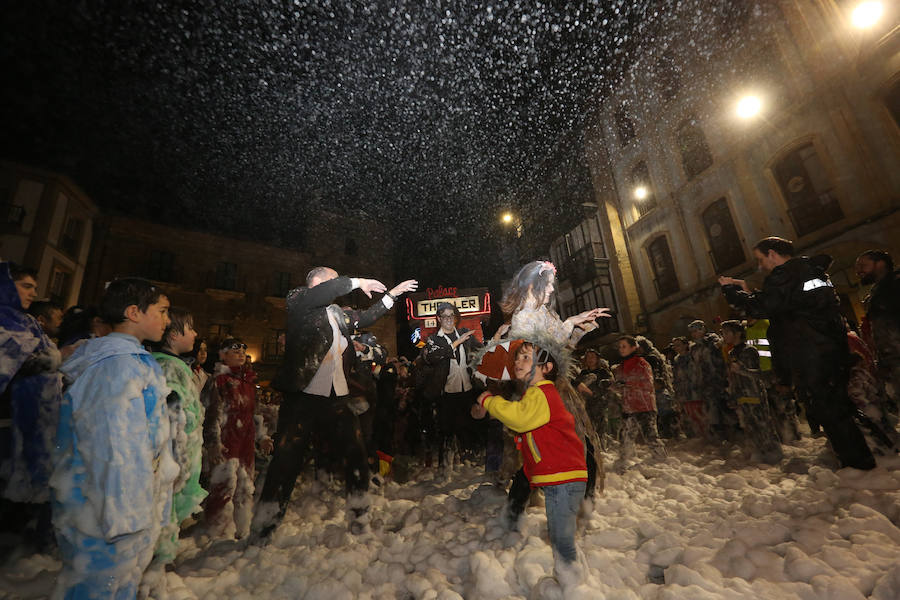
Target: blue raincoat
{"points": [[113, 472], [30, 383]]}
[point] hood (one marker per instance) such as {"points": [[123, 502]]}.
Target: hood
{"points": [[96, 349], [9, 294]]}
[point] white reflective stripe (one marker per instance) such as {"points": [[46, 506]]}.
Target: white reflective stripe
{"points": [[765, 353], [815, 283], [759, 342]]}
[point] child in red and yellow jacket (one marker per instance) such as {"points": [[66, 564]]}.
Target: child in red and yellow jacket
{"points": [[552, 453]]}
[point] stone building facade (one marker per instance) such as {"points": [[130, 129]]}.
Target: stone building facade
{"points": [[237, 287], [46, 222], [786, 123]]}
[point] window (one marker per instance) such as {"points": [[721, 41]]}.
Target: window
{"points": [[161, 266], [893, 102], [624, 126], [60, 282], [695, 155], [273, 346], [807, 190], [70, 241], [282, 284], [725, 244], [642, 189], [668, 76], [663, 269], [597, 293], [226, 276]]}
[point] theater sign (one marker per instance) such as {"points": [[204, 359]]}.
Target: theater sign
{"points": [[474, 305]]}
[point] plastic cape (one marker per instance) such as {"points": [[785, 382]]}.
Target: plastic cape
{"points": [[493, 364]]}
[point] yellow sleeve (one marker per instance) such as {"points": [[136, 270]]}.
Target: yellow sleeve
{"points": [[529, 413]]}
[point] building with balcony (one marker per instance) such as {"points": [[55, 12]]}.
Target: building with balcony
{"points": [[783, 121], [46, 222], [233, 286]]}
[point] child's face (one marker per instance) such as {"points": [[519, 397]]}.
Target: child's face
{"points": [[625, 348], [731, 338], [524, 361], [182, 343], [234, 355], [151, 324], [202, 353], [27, 288]]}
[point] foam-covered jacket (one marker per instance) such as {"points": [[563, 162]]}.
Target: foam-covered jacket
{"points": [[113, 465], [186, 420], [30, 393], [639, 394], [552, 452]]}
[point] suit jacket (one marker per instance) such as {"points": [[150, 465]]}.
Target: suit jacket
{"points": [[438, 354], [309, 334]]}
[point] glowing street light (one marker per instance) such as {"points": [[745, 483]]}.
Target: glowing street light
{"points": [[748, 107], [507, 218], [641, 192], [866, 14]]}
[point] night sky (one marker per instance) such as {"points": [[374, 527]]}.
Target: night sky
{"points": [[237, 117]]}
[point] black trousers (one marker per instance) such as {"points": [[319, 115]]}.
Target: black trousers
{"points": [[821, 385], [304, 419], [454, 419]]}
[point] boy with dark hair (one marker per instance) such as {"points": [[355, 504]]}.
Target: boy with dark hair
{"points": [[48, 315], [30, 392], [552, 452], [113, 466], [186, 420], [748, 393], [634, 381], [230, 438]]}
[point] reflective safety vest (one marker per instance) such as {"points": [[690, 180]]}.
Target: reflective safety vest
{"points": [[756, 337]]}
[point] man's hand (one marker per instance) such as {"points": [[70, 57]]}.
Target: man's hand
{"points": [[477, 411], [732, 281], [266, 446], [462, 338], [410, 285], [371, 286]]}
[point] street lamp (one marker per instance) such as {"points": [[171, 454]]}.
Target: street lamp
{"points": [[507, 218], [866, 14], [749, 106], [641, 192]]}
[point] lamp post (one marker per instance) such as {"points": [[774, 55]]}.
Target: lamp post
{"points": [[748, 106]]}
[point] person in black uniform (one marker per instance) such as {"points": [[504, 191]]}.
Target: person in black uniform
{"points": [[808, 340]]}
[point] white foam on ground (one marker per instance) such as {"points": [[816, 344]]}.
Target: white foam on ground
{"points": [[701, 524]]}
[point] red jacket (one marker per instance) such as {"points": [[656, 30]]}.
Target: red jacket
{"points": [[637, 375], [552, 453], [229, 416]]}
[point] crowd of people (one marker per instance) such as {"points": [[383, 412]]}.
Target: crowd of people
{"points": [[119, 430]]}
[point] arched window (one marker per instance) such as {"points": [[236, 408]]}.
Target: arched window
{"points": [[807, 190], [668, 76], [695, 155], [624, 125], [724, 242], [642, 189], [664, 276]]}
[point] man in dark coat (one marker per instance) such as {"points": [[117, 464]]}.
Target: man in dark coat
{"points": [[808, 340], [881, 327], [449, 387], [314, 378]]}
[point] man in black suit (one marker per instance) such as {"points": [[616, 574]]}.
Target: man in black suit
{"points": [[314, 378], [449, 388]]}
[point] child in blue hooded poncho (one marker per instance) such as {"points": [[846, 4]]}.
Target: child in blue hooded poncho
{"points": [[113, 468]]}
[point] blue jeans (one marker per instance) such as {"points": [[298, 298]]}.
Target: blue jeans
{"points": [[562, 503]]}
